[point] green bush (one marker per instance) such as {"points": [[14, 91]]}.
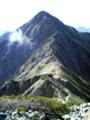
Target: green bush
{"points": [[55, 105]]}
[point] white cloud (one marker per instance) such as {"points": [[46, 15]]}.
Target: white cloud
{"points": [[16, 36], [20, 38], [14, 13]]}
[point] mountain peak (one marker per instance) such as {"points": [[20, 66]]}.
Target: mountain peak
{"points": [[44, 13], [56, 49]]}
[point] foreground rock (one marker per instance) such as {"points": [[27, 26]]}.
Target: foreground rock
{"points": [[30, 114], [41, 108], [79, 112], [2, 116]]}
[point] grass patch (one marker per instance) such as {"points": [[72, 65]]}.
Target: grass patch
{"points": [[56, 106]]}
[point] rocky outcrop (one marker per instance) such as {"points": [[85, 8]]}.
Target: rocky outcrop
{"points": [[40, 111], [79, 112]]}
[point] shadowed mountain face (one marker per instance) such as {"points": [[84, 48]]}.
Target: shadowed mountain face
{"points": [[12, 56], [55, 55]]}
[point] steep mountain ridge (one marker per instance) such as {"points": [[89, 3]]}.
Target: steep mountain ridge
{"points": [[60, 53], [33, 34], [48, 60]]}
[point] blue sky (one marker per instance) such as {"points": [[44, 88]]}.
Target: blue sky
{"points": [[14, 13]]}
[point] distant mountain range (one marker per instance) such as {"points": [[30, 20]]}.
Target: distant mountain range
{"points": [[83, 29], [45, 57]]}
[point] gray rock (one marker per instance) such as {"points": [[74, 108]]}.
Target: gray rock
{"points": [[2, 116]]}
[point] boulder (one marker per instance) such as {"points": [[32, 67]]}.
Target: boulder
{"points": [[2, 116], [67, 117]]}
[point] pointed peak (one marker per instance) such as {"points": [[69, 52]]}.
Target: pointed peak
{"points": [[41, 14], [44, 13]]}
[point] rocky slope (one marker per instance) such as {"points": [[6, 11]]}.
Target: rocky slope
{"points": [[56, 66]]}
